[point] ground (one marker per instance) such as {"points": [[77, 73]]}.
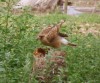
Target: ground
{"points": [[18, 41]]}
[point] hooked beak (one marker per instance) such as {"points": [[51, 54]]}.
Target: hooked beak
{"points": [[40, 37]]}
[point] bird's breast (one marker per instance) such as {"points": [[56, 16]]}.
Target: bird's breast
{"points": [[56, 43], [63, 41]]}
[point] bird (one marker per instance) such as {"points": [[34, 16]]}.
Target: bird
{"points": [[51, 36]]}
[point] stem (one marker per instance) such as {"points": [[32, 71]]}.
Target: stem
{"points": [[5, 39]]}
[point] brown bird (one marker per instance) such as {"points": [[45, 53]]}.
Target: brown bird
{"points": [[52, 37]]}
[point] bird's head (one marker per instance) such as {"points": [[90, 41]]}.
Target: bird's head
{"points": [[40, 37]]}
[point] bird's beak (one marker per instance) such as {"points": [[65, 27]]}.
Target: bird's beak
{"points": [[40, 37]]}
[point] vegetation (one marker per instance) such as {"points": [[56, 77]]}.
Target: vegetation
{"points": [[18, 41]]}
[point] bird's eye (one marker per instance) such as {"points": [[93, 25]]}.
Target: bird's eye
{"points": [[41, 36]]}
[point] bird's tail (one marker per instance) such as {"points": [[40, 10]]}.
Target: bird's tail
{"points": [[70, 44], [66, 42]]}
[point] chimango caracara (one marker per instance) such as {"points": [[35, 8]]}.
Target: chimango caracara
{"points": [[51, 36]]}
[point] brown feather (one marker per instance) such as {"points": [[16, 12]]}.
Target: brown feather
{"points": [[51, 36], [62, 34]]}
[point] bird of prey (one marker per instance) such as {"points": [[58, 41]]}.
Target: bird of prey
{"points": [[51, 36]]}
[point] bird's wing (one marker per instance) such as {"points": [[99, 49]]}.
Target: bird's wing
{"points": [[62, 34], [45, 31], [53, 33], [60, 24]]}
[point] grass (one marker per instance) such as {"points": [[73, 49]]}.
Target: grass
{"points": [[18, 41]]}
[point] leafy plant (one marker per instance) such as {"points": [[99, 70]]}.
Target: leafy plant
{"points": [[18, 40]]}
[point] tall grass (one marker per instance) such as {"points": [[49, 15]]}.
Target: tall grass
{"points": [[18, 41]]}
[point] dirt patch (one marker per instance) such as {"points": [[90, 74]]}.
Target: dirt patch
{"points": [[88, 28], [47, 64]]}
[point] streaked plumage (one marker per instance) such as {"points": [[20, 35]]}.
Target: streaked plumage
{"points": [[51, 36]]}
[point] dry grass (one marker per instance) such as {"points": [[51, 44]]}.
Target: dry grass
{"points": [[47, 65], [88, 28]]}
